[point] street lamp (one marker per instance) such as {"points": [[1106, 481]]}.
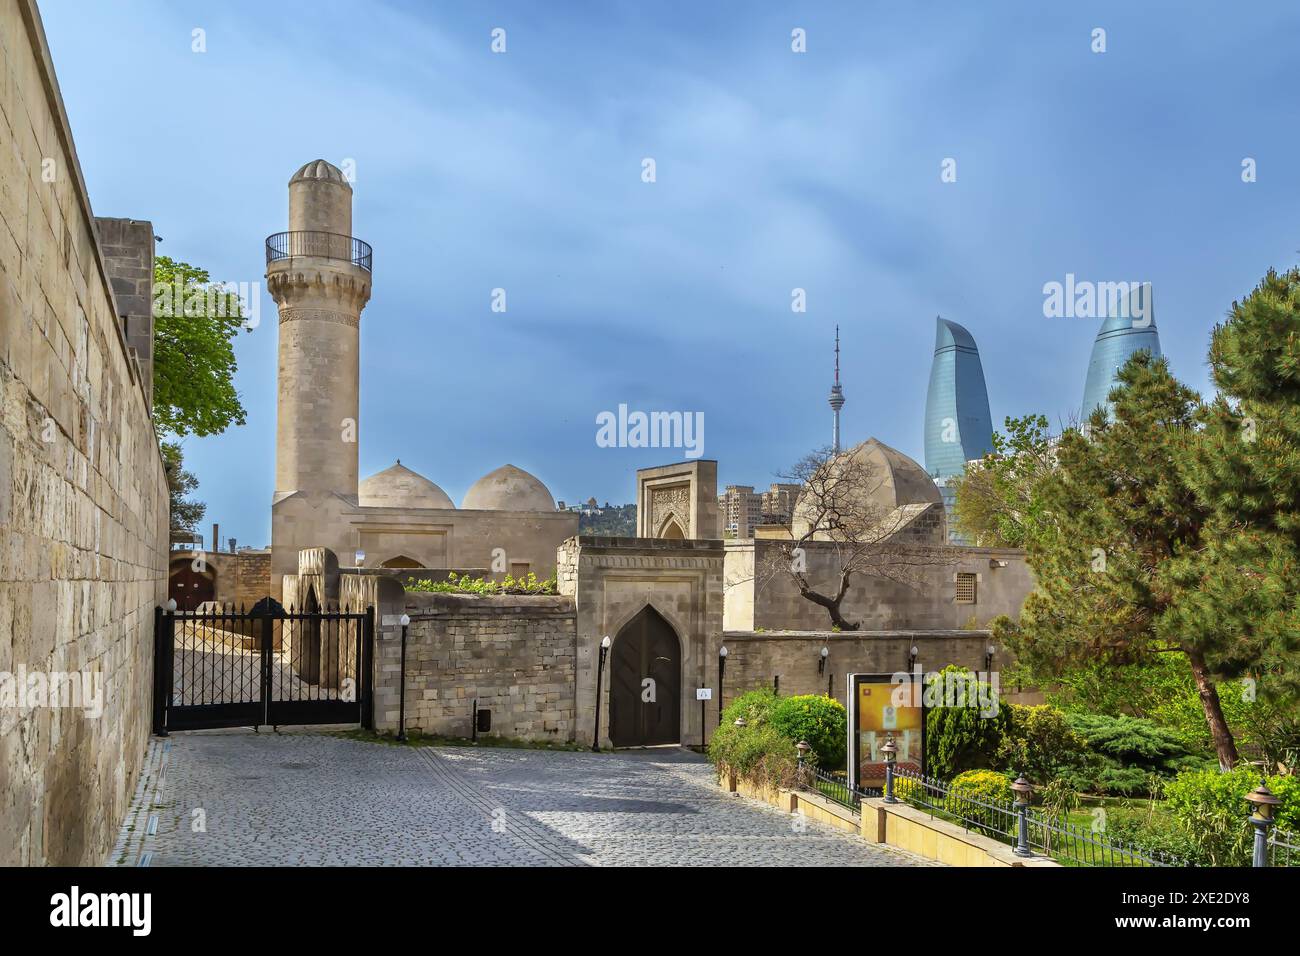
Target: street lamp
{"points": [[821, 661], [1264, 801], [600, 673], [361, 559], [405, 621], [171, 605], [803, 747], [1023, 792], [988, 659], [722, 670], [890, 752], [911, 658]]}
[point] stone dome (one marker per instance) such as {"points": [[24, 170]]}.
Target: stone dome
{"points": [[320, 169], [508, 489], [889, 480], [399, 487]]}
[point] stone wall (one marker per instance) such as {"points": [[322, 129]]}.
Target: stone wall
{"points": [[761, 595], [515, 654], [128, 246], [760, 659], [83, 496]]}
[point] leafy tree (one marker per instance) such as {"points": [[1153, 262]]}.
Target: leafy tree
{"points": [[1122, 526], [997, 504], [185, 512], [195, 322]]}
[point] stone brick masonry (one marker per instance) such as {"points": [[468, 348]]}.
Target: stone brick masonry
{"points": [[515, 654], [83, 496]]}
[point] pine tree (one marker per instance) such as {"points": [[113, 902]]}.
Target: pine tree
{"points": [[1121, 526], [1246, 582]]}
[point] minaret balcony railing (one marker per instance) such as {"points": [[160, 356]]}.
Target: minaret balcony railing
{"points": [[323, 245]]}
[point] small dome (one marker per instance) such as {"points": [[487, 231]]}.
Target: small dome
{"points": [[508, 489], [399, 487], [320, 169]]}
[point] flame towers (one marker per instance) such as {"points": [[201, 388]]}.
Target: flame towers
{"points": [[958, 426], [1127, 331]]}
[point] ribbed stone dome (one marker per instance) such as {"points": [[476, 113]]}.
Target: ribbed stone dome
{"points": [[320, 169], [891, 480], [508, 489], [399, 487]]}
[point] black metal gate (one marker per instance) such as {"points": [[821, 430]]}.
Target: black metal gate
{"points": [[228, 667]]}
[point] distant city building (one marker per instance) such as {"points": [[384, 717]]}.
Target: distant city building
{"points": [[1119, 337], [778, 503], [958, 425], [740, 510]]}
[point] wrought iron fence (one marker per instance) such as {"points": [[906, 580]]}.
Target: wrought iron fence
{"points": [[326, 245], [1047, 834], [832, 787], [1283, 848]]}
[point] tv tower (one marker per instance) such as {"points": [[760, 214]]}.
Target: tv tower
{"points": [[837, 396]]}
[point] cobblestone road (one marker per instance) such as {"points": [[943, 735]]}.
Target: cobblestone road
{"points": [[312, 799]]}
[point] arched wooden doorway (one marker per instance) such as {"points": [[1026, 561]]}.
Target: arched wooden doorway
{"points": [[190, 588], [645, 683]]}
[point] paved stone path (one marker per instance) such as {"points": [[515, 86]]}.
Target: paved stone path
{"points": [[237, 798]]}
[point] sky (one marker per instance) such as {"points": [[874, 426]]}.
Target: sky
{"points": [[775, 170]]}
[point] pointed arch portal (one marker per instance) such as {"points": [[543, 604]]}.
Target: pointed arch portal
{"points": [[645, 683]]}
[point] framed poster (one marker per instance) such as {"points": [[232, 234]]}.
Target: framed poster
{"points": [[883, 706]]}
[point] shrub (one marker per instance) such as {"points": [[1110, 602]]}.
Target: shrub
{"points": [[758, 754], [1125, 751], [1039, 743], [1155, 834], [988, 786], [822, 721], [754, 705], [961, 738], [1211, 807], [464, 584]]}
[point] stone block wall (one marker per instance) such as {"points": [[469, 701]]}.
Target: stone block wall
{"points": [[756, 659], [128, 246], [514, 653], [83, 495]]}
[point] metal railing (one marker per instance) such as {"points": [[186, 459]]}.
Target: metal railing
{"points": [[1283, 848], [832, 787], [1043, 833], [324, 245]]}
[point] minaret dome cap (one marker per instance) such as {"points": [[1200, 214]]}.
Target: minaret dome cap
{"points": [[322, 171]]}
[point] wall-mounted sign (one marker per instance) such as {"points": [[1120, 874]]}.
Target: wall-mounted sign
{"points": [[883, 706], [704, 693]]}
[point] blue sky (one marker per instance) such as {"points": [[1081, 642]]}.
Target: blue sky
{"points": [[775, 170]]}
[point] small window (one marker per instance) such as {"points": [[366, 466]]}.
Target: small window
{"points": [[518, 570], [965, 587]]}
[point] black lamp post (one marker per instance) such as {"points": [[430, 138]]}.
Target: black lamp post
{"points": [[722, 670], [890, 752], [1023, 792], [803, 747], [821, 660], [1265, 802], [911, 658], [401, 693], [988, 659], [600, 673]]}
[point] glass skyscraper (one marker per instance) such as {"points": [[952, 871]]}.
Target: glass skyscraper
{"points": [[1120, 336], [958, 426]]}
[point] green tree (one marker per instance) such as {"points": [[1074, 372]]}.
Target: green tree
{"points": [[1245, 582], [186, 513], [997, 504], [1122, 525], [195, 322]]}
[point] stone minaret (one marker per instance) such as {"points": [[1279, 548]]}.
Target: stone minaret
{"points": [[319, 277], [837, 396]]}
